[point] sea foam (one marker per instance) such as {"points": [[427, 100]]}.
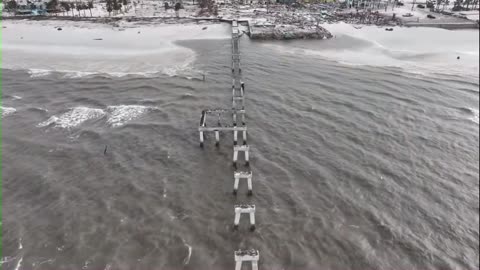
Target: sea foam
{"points": [[7, 111], [73, 117], [121, 114]]}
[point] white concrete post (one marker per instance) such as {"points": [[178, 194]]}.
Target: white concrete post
{"points": [[235, 184], [217, 137], [247, 158], [235, 137], [237, 218], [252, 221], [250, 186], [244, 137], [238, 265], [235, 157], [201, 139], [254, 265]]}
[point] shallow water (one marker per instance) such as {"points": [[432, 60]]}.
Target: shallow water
{"points": [[355, 167]]}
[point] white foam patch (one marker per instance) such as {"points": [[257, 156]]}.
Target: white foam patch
{"points": [[6, 260], [122, 114], [183, 69], [189, 255], [475, 117], [35, 73], [73, 117], [19, 264], [77, 74], [7, 111]]}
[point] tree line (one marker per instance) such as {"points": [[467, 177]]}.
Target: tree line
{"points": [[56, 6]]}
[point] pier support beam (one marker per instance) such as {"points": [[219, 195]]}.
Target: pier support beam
{"points": [[238, 175], [217, 138], [241, 148], [244, 209], [201, 139]]}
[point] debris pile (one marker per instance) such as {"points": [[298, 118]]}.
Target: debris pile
{"points": [[287, 32], [368, 18]]}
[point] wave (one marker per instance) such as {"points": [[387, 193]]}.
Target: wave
{"points": [[117, 115], [469, 113], [73, 117], [7, 110], [34, 73], [186, 261], [182, 71], [121, 114], [473, 114]]}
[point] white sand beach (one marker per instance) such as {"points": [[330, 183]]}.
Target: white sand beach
{"points": [[85, 47]]}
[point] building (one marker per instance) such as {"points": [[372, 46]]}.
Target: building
{"points": [[39, 4]]}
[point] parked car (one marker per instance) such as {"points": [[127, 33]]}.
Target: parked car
{"points": [[430, 16], [421, 6]]}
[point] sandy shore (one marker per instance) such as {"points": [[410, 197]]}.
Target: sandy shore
{"points": [[86, 47]]}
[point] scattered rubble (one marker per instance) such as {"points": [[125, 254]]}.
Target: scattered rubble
{"points": [[287, 32], [278, 21]]}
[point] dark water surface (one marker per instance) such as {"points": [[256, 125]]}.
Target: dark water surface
{"points": [[354, 168]]}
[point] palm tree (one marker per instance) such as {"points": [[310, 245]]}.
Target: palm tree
{"points": [[11, 5], [117, 6], [125, 2], [72, 8], [90, 6], [65, 7], [445, 3], [109, 7], [468, 4]]}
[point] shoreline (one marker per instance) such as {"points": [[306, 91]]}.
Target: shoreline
{"points": [[122, 46], [349, 17]]}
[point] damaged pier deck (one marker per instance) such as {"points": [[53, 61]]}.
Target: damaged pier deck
{"points": [[227, 119], [233, 120]]}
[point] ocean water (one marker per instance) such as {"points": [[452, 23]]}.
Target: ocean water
{"points": [[356, 165]]}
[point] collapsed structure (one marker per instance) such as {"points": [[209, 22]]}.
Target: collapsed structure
{"points": [[237, 123]]}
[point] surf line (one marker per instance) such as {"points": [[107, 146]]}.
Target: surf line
{"points": [[233, 120]]}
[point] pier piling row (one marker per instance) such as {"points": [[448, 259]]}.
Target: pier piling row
{"points": [[238, 101], [222, 123]]}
